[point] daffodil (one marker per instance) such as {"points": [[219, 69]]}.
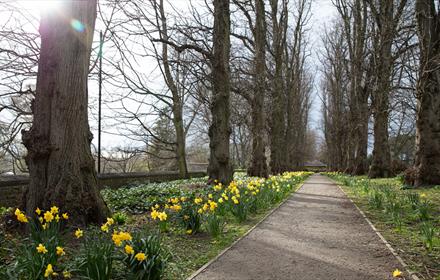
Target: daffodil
{"points": [[189, 231], [163, 216], [41, 249], [110, 221], [38, 211], [54, 210], [129, 250], [198, 200], [79, 233], [48, 216], [65, 216], [60, 251], [140, 257], [397, 273], [154, 214], [104, 228], [49, 271], [67, 274]]}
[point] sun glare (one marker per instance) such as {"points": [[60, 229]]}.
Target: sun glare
{"points": [[40, 5]]}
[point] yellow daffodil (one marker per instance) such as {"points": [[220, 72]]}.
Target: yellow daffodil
{"points": [[129, 250], [104, 228], [60, 251], [65, 216], [200, 211], [198, 200], [110, 221], [163, 216], [397, 273], [41, 249], [48, 216], [57, 218], [41, 220], [38, 211], [54, 210], [49, 271], [220, 200], [189, 231], [67, 274], [44, 226], [154, 215], [79, 233], [140, 257]]}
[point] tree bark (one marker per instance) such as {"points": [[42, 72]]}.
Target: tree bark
{"points": [[258, 166], [277, 125], [177, 106], [427, 161], [386, 25], [61, 166], [219, 167]]}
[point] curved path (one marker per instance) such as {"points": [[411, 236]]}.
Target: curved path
{"points": [[316, 234]]}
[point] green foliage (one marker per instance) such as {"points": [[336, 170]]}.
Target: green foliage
{"points": [[424, 210], [428, 232], [96, 257], [376, 199], [120, 218], [137, 199], [153, 267], [214, 224]]}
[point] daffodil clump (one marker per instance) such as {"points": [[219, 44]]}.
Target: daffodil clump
{"points": [[212, 207], [44, 256]]}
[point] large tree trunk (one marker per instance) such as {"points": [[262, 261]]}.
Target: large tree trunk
{"points": [[258, 166], [61, 166], [386, 25], [220, 167], [427, 162], [277, 124]]}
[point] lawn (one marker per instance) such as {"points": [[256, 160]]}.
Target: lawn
{"points": [[408, 218], [158, 231]]}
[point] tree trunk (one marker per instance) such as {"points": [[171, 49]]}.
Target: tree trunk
{"points": [[277, 124], [219, 167], [258, 166], [177, 105], [381, 163], [61, 166], [427, 162]]}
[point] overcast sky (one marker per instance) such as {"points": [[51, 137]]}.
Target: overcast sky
{"points": [[322, 14]]}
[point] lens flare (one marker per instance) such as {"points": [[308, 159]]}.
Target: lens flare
{"points": [[77, 25]]}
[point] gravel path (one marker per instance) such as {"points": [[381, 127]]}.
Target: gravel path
{"points": [[316, 234]]}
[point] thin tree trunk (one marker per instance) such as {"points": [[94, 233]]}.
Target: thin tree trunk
{"points": [[220, 167], [177, 106], [427, 162], [258, 166], [61, 166]]}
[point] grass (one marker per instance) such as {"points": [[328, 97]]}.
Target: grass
{"points": [[409, 219]]}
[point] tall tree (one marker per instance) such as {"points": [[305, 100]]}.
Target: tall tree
{"points": [[428, 94], [61, 166], [258, 166], [387, 16], [220, 167], [277, 122]]}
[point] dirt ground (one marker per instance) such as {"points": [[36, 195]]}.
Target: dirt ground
{"points": [[316, 234]]}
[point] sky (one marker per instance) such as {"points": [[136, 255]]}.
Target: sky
{"points": [[322, 14]]}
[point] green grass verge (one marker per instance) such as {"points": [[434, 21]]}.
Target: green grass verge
{"points": [[407, 218]]}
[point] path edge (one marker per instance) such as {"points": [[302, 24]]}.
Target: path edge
{"points": [[200, 270], [387, 244]]}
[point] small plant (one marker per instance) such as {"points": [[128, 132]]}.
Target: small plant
{"points": [[376, 199], [120, 218], [145, 258], [96, 258], [428, 231], [413, 199], [214, 224], [424, 210]]}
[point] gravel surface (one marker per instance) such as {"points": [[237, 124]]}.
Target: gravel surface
{"points": [[316, 234]]}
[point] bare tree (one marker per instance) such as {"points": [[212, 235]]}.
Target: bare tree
{"points": [[428, 94], [62, 170]]}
